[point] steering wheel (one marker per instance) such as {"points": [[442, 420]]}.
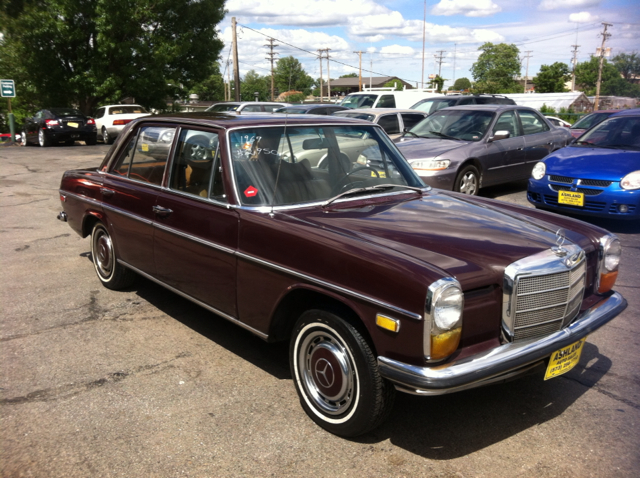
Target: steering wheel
{"points": [[341, 185]]}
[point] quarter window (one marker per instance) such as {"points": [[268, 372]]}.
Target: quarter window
{"points": [[410, 120], [196, 166], [390, 123], [145, 156]]}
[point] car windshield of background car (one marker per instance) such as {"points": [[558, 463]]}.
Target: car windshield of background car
{"points": [[66, 112], [127, 110], [223, 108], [618, 133], [590, 120], [278, 166], [359, 101], [292, 111], [429, 106], [362, 116], [454, 124]]}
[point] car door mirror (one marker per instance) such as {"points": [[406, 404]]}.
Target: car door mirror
{"points": [[498, 135]]}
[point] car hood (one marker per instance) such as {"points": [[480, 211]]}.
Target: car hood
{"points": [[414, 148], [593, 163], [473, 242]]}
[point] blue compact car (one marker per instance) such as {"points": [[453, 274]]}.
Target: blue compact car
{"points": [[597, 175]]}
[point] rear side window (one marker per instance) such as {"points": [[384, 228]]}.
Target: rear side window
{"points": [[145, 156], [467, 101], [532, 123], [386, 101], [390, 123], [252, 108], [410, 120], [100, 113]]}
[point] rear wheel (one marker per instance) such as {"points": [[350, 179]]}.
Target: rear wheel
{"points": [[25, 142], [106, 139], [468, 181], [43, 141], [336, 375], [112, 274]]}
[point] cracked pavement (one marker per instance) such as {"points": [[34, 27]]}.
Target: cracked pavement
{"points": [[142, 383]]}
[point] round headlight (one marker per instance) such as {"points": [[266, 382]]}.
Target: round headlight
{"points": [[631, 181], [447, 308], [539, 170], [612, 253]]}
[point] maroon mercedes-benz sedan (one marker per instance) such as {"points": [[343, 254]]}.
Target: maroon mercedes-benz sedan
{"points": [[317, 231]]}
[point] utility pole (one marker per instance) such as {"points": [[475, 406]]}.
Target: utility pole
{"points": [[271, 56], [574, 61], [455, 48], [236, 72], [439, 60], [320, 58], [424, 32], [605, 35], [526, 74], [328, 76], [359, 70], [227, 88]]}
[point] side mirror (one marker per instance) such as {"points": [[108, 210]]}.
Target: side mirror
{"points": [[498, 135]]}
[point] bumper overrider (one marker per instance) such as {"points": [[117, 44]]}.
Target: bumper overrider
{"points": [[500, 363]]}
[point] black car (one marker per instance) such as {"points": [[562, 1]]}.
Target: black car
{"points": [[311, 109], [430, 105], [55, 125]]}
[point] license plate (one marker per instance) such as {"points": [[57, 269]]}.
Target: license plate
{"points": [[571, 198], [72, 125], [75, 135], [144, 147], [381, 174], [565, 359]]}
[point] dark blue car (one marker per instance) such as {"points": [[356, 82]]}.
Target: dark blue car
{"points": [[597, 175]]}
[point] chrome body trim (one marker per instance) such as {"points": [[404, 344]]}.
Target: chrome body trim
{"points": [[212, 245], [331, 286], [118, 210], [89, 200], [230, 318], [500, 362]]}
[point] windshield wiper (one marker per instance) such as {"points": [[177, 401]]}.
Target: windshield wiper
{"points": [[377, 187], [445, 136], [412, 134]]}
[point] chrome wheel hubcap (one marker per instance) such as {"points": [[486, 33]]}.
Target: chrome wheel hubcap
{"points": [[469, 183], [103, 254]]}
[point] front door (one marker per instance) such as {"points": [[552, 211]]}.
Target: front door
{"points": [[505, 158]]}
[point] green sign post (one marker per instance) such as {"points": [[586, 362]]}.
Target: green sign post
{"points": [[8, 90]]}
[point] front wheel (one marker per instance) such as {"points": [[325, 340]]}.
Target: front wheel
{"points": [[336, 375], [112, 274], [468, 181]]}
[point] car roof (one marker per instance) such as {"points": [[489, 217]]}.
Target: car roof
{"points": [[631, 112], [379, 111], [229, 121], [491, 107], [119, 105], [311, 106]]}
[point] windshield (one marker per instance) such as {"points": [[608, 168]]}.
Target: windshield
{"points": [[359, 101], [454, 124], [278, 166], [362, 116], [292, 111], [590, 120], [622, 132], [429, 106], [224, 107]]}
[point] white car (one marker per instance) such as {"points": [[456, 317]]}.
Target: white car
{"points": [[111, 119], [555, 121]]}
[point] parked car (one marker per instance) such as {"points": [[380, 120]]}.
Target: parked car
{"points": [[465, 148], [555, 121], [111, 119], [429, 105], [393, 121], [386, 98], [589, 121], [377, 281], [311, 109], [247, 106], [597, 175], [55, 125]]}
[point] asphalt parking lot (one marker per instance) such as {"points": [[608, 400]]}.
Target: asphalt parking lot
{"points": [[143, 383]]}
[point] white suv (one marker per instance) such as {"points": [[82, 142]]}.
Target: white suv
{"points": [[111, 119]]}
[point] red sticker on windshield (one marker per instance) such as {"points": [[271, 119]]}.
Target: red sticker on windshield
{"points": [[250, 192]]}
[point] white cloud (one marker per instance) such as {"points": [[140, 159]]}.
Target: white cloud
{"points": [[562, 4], [397, 50], [582, 17], [468, 8]]}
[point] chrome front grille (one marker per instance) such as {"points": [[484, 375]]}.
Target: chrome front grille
{"points": [[543, 293]]}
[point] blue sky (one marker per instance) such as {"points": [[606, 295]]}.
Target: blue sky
{"points": [[391, 33]]}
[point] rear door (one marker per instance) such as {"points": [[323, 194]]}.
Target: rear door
{"points": [[130, 190], [538, 138], [196, 233]]}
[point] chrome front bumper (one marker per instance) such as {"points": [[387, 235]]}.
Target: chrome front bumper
{"points": [[500, 363]]}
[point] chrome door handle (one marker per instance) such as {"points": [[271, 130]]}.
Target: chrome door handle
{"points": [[107, 192], [162, 211]]}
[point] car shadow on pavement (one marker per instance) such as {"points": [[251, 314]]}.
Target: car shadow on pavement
{"points": [[452, 426]]}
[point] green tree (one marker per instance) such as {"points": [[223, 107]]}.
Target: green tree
{"points": [[437, 83], [628, 64], [349, 75], [587, 75], [552, 78], [496, 69], [254, 83], [396, 84], [87, 52], [461, 84], [289, 75], [212, 88]]}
